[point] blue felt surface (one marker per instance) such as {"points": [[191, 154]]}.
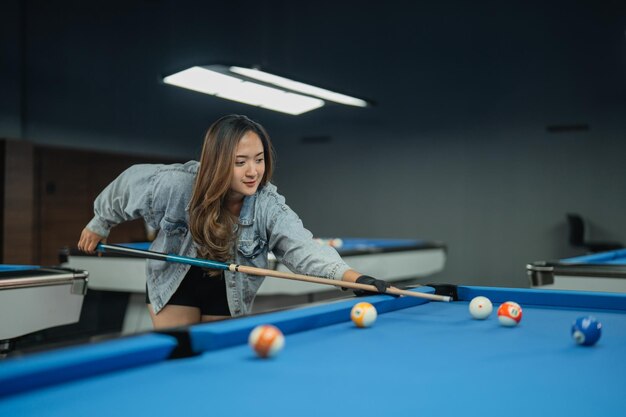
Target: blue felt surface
{"points": [[232, 332], [553, 298], [138, 245], [7, 267], [431, 359], [616, 257], [349, 243], [356, 243], [54, 367]]}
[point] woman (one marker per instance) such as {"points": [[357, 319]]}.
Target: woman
{"points": [[223, 208]]}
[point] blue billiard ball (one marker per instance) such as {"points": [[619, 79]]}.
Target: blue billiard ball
{"points": [[586, 330]]}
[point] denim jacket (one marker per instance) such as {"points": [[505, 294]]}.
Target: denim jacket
{"points": [[160, 194]]}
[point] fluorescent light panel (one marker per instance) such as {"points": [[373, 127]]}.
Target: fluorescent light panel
{"points": [[299, 87], [208, 81]]}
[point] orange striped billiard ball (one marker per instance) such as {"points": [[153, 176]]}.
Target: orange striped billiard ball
{"points": [[266, 340]]}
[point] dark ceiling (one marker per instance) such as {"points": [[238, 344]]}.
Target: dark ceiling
{"points": [[96, 66]]}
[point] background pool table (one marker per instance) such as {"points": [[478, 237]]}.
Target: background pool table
{"points": [[419, 358], [605, 271], [34, 298]]}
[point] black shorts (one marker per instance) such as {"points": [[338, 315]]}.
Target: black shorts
{"points": [[202, 291]]}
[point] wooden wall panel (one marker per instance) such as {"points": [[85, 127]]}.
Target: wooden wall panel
{"points": [[18, 210], [68, 181]]}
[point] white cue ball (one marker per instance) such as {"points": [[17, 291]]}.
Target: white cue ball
{"points": [[480, 307]]}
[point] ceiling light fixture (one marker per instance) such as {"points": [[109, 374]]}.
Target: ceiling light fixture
{"points": [[299, 87], [257, 88]]}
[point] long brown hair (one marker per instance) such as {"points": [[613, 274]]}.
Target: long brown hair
{"points": [[211, 224]]}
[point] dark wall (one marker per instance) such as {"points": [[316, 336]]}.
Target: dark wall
{"points": [[498, 198], [90, 72], [11, 76], [463, 144]]}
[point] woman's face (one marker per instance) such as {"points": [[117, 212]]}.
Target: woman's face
{"points": [[249, 166]]}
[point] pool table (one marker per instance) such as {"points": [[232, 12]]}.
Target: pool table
{"points": [[605, 271], [33, 298], [419, 358], [385, 258]]}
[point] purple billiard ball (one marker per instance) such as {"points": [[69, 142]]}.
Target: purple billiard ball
{"points": [[586, 330]]}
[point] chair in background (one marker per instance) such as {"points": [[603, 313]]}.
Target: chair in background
{"points": [[577, 236]]}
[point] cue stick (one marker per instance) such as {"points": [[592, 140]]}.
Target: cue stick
{"points": [[205, 263]]}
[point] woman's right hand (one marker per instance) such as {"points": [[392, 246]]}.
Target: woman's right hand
{"points": [[89, 241]]}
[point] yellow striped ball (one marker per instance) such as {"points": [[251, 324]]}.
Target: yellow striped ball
{"points": [[363, 314]]}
